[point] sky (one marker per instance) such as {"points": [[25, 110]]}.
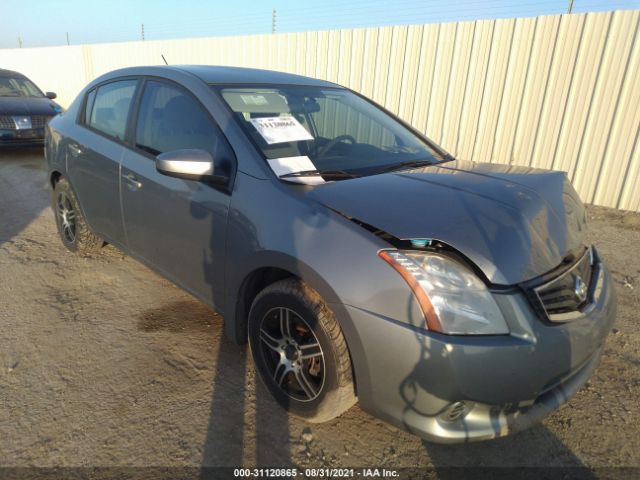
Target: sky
{"points": [[47, 22]]}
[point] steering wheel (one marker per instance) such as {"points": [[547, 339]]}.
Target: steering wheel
{"points": [[334, 142]]}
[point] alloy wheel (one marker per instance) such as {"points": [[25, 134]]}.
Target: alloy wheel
{"points": [[66, 216], [292, 354]]}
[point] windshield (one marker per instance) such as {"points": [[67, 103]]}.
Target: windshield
{"points": [[18, 87], [329, 130]]}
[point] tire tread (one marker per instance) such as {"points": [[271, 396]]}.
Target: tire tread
{"points": [[87, 242], [344, 397]]}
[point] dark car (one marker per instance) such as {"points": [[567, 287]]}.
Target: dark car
{"points": [[24, 110], [359, 260]]}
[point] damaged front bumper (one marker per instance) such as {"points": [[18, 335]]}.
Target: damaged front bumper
{"points": [[483, 422], [451, 389]]}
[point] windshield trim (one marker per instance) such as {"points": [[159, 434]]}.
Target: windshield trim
{"points": [[446, 156], [217, 89]]}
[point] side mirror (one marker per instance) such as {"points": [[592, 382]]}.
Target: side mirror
{"points": [[51, 95], [191, 164]]}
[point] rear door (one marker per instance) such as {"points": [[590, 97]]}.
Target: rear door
{"points": [[176, 225], [95, 153]]}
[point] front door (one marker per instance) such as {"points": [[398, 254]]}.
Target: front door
{"points": [[176, 225]]}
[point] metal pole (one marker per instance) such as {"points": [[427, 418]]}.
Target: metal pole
{"points": [[570, 6], [19, 42], [67, 38], [273, 21], [142, 32]]}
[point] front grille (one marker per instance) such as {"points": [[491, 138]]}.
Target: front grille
{"points": [[571, 291], [39, 121], [7, 123]]}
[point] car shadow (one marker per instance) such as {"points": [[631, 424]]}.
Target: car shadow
{"points": [[24, 193], [532, 454], [230, 440], [245, 425], [224, 441]]}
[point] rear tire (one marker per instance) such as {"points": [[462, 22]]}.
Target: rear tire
{"points": [[300, 352], [72, 226]]}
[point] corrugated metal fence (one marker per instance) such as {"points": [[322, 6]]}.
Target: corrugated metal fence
{"points": [[560, 92]]}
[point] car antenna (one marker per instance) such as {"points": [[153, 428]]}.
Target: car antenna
{"points": [[165, 60]]}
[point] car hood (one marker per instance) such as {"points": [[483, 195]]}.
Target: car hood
{"points": [[28, 106], [514, 223]]}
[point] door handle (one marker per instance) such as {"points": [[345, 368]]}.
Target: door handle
{"points": [[75, 150], [133, 182]]}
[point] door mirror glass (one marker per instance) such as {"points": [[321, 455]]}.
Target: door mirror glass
{"points": [[192, 164], [51, 95]]}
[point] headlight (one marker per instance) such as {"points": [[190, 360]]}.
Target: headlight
{"points": [[453, 299]]}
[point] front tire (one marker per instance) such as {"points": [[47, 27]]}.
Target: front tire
{"points": [[300, 352], [72, 226]]}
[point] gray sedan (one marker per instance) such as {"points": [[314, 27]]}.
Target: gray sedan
{"points": [[361, 261]]}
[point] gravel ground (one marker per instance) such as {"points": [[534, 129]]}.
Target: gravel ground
{"points": [[104, 363]]}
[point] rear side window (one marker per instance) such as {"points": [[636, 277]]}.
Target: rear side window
{"points": [[111, 108], [171, 119]]}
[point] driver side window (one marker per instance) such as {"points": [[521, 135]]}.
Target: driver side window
{"points": [[171, 119]]}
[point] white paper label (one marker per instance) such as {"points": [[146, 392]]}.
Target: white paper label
{"points": [[254, 100], [280, 129], [282, 166]]}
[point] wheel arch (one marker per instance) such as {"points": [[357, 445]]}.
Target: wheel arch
{"points": [[267, 268], [261, 277], [256, 281], [54, 178]]}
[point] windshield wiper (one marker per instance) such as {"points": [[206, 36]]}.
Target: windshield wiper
{"points": [[315, 173], [405, 165]]}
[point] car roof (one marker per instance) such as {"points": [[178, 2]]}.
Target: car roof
{"points": [[10, 73], [214, 74], [227, 75]]}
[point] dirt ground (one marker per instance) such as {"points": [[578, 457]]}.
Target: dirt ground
{"points": [[104, 363]]}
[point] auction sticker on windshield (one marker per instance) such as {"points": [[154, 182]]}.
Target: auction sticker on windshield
{"points": [[280, 129]]}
